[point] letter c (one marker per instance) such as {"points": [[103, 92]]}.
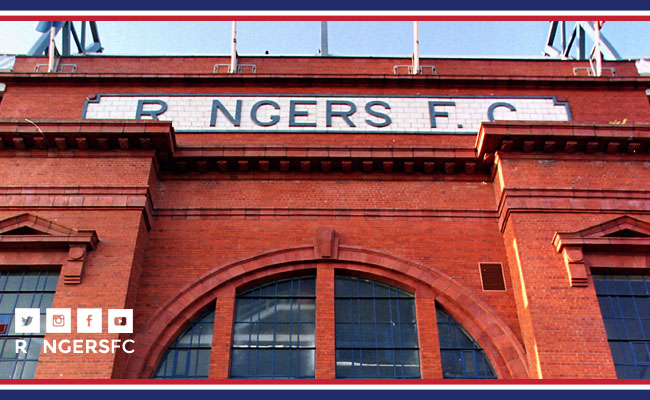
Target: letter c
{"points": [[490, 113]]}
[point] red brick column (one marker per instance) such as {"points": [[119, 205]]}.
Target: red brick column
{"points": [[222, 337], [325, 346], [425, 308]]}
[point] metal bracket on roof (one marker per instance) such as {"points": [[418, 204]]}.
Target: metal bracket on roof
{"points": [[408, 69], [581, 30], [69, 31], [241, 69]]}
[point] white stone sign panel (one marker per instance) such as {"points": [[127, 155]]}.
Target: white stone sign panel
{"points": [[325, 113]]}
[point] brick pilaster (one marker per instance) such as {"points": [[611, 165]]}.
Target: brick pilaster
{"points": [[325, 337], [222, 336], [425, 308]]}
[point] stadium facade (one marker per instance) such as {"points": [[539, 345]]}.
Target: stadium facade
{"points": [[326, 217]]}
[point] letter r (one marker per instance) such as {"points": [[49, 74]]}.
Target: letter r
{"points": [[21, 345]]}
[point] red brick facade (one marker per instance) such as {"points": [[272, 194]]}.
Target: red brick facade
{"points": [[184, 219]]}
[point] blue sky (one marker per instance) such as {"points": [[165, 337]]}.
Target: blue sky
{"points": [[437, 38]]}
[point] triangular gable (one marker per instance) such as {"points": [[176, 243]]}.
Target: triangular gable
{"points": [[28, 228], [625, 226], [622, 231], [29, 232], [25, 224]]}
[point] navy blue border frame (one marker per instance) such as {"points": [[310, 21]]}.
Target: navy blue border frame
{"points": [[99, 96]]}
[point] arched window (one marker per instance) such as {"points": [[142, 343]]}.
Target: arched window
{"points": [[376, 330], [274, 330], [189, 356], [462, 357]]}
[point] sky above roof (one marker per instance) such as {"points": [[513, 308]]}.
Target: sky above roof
{"points": [[345, 38]]}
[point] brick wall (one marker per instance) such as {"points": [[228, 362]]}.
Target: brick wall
{"points": [[171, 242]]}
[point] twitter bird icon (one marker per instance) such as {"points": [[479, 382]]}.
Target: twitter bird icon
{"points": [[28, 320]]}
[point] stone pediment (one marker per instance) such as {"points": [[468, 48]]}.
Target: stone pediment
{"points": [[620, 233], [33, 233]]}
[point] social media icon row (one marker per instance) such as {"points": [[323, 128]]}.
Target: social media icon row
{"points": [[58, 320]]}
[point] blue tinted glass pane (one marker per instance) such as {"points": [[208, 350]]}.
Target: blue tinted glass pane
{"points": [[264, 363], [24, 300], [283, 336], [307, 287], [627, 323], [342, 310], [621, 285], [381, 290], [344, 367], [46, 301], [461, 356], [633, 328], [644, 371], [203, 363], [29, 281], [365, 288], [643, 305], [366, 310], [623, 372], [307, 365], [189, 355], [382, 307], [409, 335], [282, 363], [14, 280], [8, 302], [342, 287], [239, 363], [307, 335], [307, 308], [344, 336], [286, 315], [269, 290], [245, 309], [642, 352], [605, 306], [7, 369], [627, 307], [637, 285], [369, 333], [284, 288], [406, 310], [265, 335], [52, 280], [282, 311], [266, 311], [369, 364], [30, 290]]}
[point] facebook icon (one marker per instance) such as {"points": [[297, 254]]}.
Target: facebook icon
{"points": [[89, 320]]}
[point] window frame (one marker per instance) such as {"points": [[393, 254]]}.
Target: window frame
{"points": [[358, 347], [630, 361], [294, 351]]}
